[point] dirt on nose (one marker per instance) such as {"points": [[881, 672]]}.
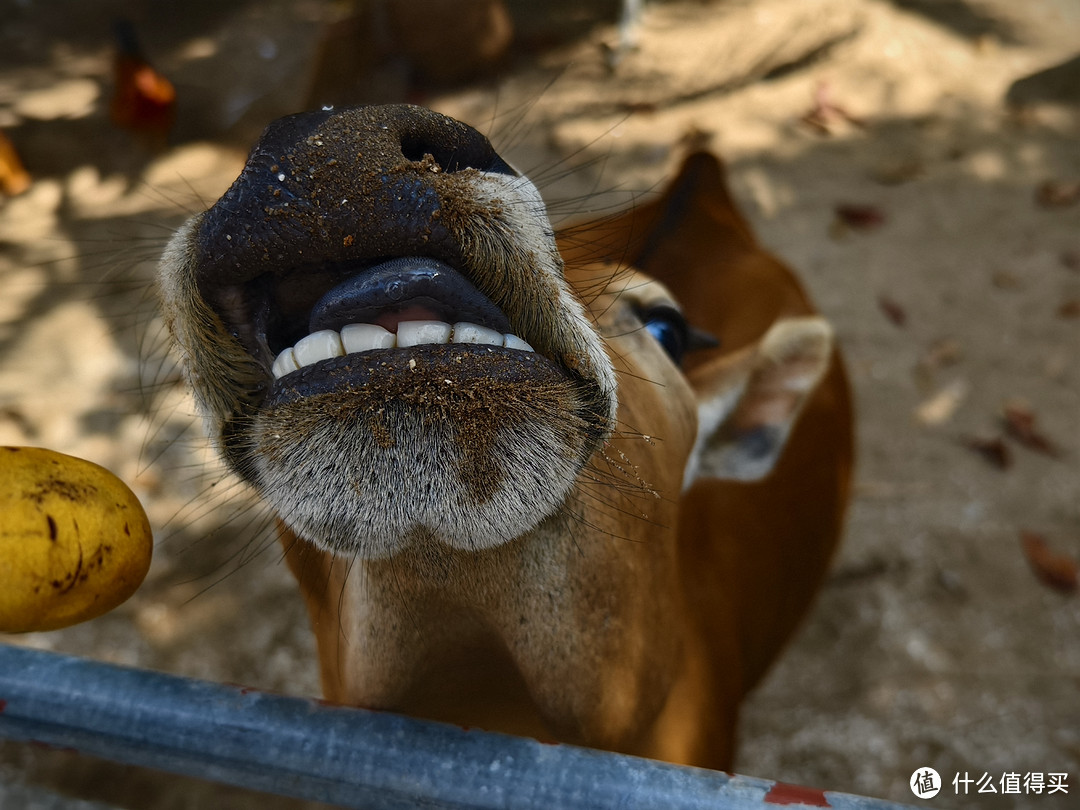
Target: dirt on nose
{"points": [[344, 186]]}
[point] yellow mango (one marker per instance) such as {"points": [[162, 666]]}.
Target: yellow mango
{"points": [[74, 540]]}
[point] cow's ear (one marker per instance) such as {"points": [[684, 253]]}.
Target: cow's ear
{"points": [[748, 401]]}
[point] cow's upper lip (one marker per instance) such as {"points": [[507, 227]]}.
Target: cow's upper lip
{"points": [[384, 291]]}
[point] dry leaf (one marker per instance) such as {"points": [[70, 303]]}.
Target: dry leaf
{"points": [[638, 107], [941, 354], [1059, 571], [993, 450], [826, 115], [1004, 280], [1058, 193], [944, 352], [940, 408], [860, 217], [1020, 424], [1070, 309], [893, 311]]}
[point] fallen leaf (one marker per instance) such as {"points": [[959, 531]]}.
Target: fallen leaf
{"points": [[636, 107], [941, 354], [860, 217], [826, 114], [1059, 571], [1020, 424], [993, 450], [1058, 193], [1070, 309], [940, 408], [896, 314], [1004, 280], [944, 352]]}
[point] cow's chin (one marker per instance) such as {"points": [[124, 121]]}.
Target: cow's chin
{"points": [[458, 446]]}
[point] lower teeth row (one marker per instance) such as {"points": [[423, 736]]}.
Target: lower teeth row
{"points": [[363, 337]]}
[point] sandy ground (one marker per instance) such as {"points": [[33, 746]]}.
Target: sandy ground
{"points": [[953, 285]]}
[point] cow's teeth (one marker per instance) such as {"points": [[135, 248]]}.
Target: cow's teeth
{"points": [[471, 333], [285, 363], [364, 337], [416, 333], [321, 345], [514, 342]]}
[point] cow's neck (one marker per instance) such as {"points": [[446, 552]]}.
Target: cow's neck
{"points": [[571, 621]]}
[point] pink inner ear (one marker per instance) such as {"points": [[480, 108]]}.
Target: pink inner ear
{"points": [[771, 405], [773, 394], [777, 376]]}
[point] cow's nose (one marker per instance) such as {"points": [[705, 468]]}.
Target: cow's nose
{"points": [[346, 186]]}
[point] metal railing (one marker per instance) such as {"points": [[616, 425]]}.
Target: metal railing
{"points": [[356, 758]]}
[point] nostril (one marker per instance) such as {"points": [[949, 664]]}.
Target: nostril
{"points": [[415, 148], [455, 154]]}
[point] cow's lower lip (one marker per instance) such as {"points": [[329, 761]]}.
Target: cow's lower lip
{"points": [[434, 371]]}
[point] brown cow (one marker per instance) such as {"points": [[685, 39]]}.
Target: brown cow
{"points": [[516, 488]]}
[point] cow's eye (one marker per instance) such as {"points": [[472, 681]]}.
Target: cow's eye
{"points": [[668, 326]]}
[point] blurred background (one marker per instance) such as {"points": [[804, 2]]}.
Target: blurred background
{"points": [[916, 161]]}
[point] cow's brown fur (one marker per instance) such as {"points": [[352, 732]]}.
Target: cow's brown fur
{"points": [[632, 599]]}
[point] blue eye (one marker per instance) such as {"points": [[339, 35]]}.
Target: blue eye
{"points": [[668, 327]]}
